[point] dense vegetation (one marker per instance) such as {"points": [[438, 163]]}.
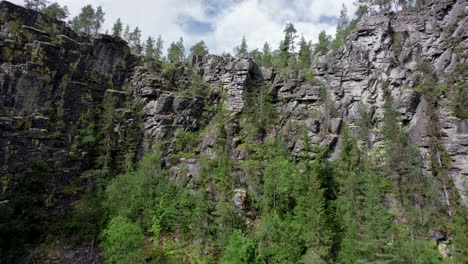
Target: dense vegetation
{"points": [[366, 206]]}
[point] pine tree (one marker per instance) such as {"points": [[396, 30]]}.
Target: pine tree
{"points": [[56, 11], [256, 55], [286, 47], [134, 40], [199, 49], [305, 54], [36, 4], [342, 29], [323, 44], [126, 34], [241, 50], [117, 28], [98, 20], [84, 22], [158, 49], [175, 53], [290, 36], [149, 49], [266, 57]]}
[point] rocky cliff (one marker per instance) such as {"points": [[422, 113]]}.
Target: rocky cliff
{"points": [[53, 78]]}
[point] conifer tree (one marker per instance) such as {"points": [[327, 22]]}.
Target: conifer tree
{"points": [[126, 34], [134, 40], [323, 44], [266, 56], [199, 49], [84, 22], [176, 51], [56, 11], [342, 29], [241, 50], [158, 49], [35, 4], [305, 54], [149, 49], [98, 20], [117, 28]]}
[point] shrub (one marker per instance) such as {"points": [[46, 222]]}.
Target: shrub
{"points": [[123, 242]]}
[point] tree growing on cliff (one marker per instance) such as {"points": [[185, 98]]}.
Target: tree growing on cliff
{"points": [[241, 50], [117, 28], [323, 44], [56, 11], [199, 49], [98, 20], [158, 49], [266, 57], [149, 49], [35, 4], [89, 21], [305, 53], [176, 51], [134, 40], [126, 33]]}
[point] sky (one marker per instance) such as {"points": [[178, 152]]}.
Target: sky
{"points": [[220, 23]]}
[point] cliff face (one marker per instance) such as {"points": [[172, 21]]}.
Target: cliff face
{"points": [[51, 77]]}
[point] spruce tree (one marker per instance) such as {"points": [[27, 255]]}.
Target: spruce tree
{"points": [[98, 20], [126, 34], [305, 54], [158, 49], [56, 11], [149, 49], [323, 44], [241, 50], [199, 49], [35, 4], [267, 56], [117, 28], [176, 51], [134, 40], [84, 22]]}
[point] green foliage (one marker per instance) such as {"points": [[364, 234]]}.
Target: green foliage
{"points": [[460, 238], [241, 50], [309, 75], [133, 194], [134, 40], [458, 92], [176, 52], [89, 21], [240, 249], [342, 29], [35, 4], [149, 49], [323, 44], [158, 49], [22, 221], [185, 140], [117, 28], [199, 49], [266, 55], [123, 242], [56, 11], [305, 54], [258, 112]]}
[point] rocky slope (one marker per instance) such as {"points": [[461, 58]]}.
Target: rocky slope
{"points": [[50, 77]]}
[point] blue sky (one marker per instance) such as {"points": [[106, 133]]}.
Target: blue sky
{"points": [[220, 23]]}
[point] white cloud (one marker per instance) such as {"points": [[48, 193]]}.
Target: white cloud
{"points": [[259, 20]]}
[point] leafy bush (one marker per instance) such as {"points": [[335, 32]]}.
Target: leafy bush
{"points": [[240, 249], [123, 242]]}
